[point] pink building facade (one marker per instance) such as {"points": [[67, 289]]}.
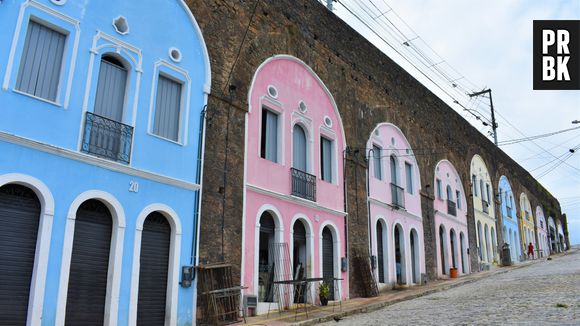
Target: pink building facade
{"points": [[450, 208], [396, 227], [294, 214], [543, 249]]}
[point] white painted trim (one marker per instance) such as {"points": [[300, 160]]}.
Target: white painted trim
{"points": [[96, 161], [173, 268], [115, 258], [309, 246], [181, 76], [205, 55], [244, 206], [278, 236], [294, 200], [306, 124], [386, 247], [451, 218], [17, 33], [38, 280], [402, 211]]}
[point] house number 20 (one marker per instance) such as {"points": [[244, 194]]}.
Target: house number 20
{"points": [[133, 186]]}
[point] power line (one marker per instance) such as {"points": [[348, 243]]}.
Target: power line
{"points": [[515, 141]]}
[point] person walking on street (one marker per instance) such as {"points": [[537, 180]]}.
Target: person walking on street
{"points": [[530, 250]]}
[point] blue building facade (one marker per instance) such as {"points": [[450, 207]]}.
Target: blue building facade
{"points": [[101, 135], [511, 233]]}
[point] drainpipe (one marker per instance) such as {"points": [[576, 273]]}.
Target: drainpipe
{"points": [[345, 192], [369, 204], [198, 180]]}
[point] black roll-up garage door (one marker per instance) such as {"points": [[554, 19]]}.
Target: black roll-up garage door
{"points": [[154, 262], [328, 260], [87, 286], [380, 258], [19, 218]]}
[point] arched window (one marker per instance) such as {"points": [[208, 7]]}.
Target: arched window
{"points": [[299, 149], [394, 171], [111, 86], [449, 193]]}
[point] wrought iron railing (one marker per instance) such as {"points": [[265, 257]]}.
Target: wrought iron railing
{"points": [[107, 138], [303, 184], [451, 208], [397, 196], [485, 206]]}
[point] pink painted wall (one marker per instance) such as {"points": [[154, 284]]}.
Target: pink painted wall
{"points": [[268, 184], [542, 231], [295, 82], [392, 142], [448, 175]]}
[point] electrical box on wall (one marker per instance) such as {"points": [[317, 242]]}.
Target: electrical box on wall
{"points": [[187, 275], [343, 264]]}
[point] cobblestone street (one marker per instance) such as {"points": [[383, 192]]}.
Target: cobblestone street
{"points": [[545, 293]]}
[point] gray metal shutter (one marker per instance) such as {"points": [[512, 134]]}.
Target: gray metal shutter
{"points": [[39, 72], [154, 262], [87, 285], [442, 249], [409, 174], [380, 256], [328, 260], [326, 159], [167, 108], [19, 218], [299, 148], [110, 96]]}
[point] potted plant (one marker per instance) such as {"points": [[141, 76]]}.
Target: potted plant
{"points": [[323, 293]]}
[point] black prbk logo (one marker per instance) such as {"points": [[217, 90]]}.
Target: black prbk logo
{"points": [[556, 54]]}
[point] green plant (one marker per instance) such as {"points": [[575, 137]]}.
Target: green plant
{"points": [[324, 290]]}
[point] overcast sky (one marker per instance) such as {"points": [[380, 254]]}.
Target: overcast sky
{"points": [[490, 43]]}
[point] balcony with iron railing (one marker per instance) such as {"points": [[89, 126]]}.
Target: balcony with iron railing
{"points": [[397, 196], [485, 206], [303, 184], [107, 138], [451, 208]]}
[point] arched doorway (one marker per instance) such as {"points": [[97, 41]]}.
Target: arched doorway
{"points": [[265, 259], [328, 259], [380, 252], [19, 220], [89, 266], [480, 241], [415, 271], [400, 267], [487, 246], [493, 244], [463, 253], [442, 249], [153, 270], [299, 256], [453, 240]]}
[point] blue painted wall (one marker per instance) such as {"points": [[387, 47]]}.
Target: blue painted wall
{"points": [[155, 26], [509, 218]]}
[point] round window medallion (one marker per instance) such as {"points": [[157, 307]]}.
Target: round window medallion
{"points": [[302, 107], [377, 132], [121, 25], [58, 2], [272, 91], [175, 54], [328, 121]]}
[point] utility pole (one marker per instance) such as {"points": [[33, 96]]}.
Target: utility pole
{"points": [[493, 123]]}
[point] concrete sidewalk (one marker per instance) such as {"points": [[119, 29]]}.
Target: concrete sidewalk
{"points": [[318, 314]]}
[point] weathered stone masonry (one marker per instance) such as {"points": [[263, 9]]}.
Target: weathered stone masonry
{"points": [[368, 88]]}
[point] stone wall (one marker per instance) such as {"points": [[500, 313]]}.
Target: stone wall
{"points": [[368, 87]]}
